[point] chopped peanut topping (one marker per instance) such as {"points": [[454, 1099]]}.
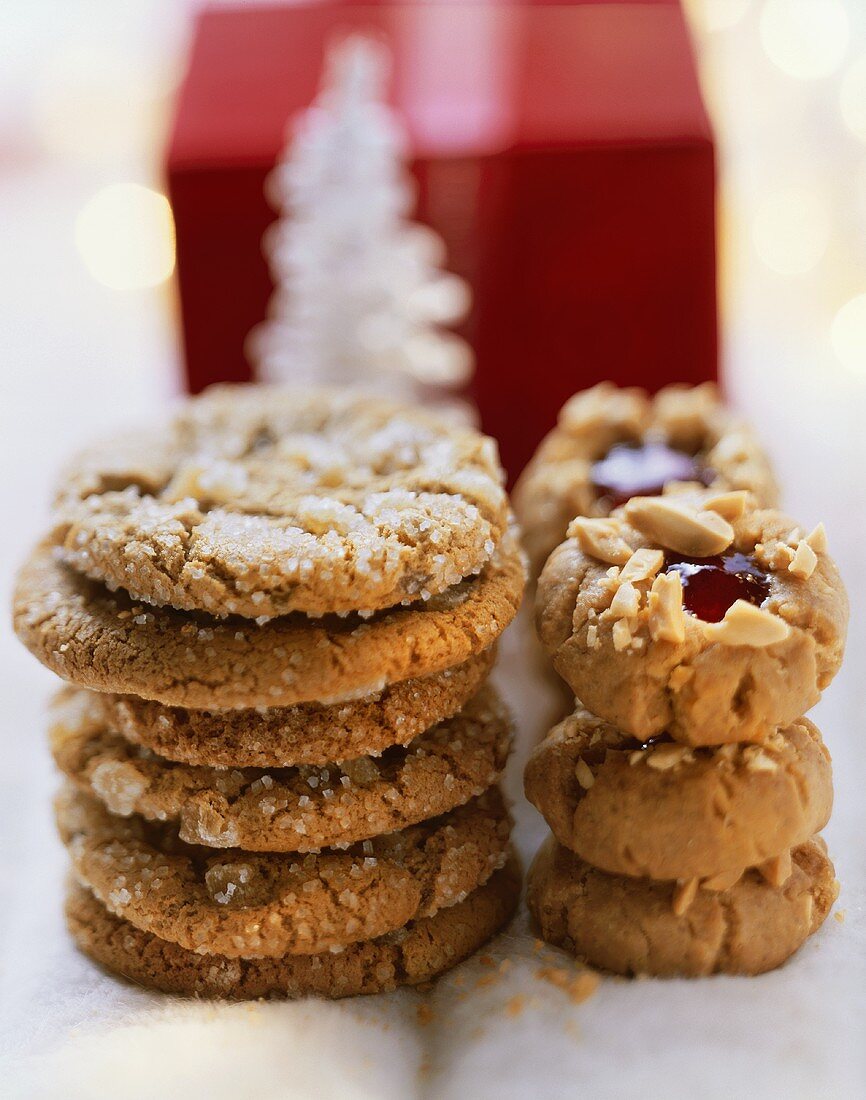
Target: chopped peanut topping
{"points": [[622, 636], [817, 539], [804, 561], [642, 565], [583, 774], [745, 624], [626, 602], [600, 539], [728, 505], [667, 620], [677, 526], [758, 761], [665, 757], [780, 558]]}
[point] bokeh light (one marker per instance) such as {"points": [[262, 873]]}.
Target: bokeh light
{"points": [[848, 335], [717, 15], [806, 39], [125, 235], [852, 98], [791, 230]]}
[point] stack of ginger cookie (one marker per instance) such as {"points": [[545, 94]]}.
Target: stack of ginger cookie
{"points": [[277, 614], [695, 625]]}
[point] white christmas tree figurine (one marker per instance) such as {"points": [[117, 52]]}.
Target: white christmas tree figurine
{"points": [[359, 295]]}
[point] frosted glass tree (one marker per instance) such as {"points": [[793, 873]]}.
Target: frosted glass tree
{"points": [[360, 296]]}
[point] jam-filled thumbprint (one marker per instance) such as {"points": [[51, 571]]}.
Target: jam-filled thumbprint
{"points": [[712, 585], [644, 469]]}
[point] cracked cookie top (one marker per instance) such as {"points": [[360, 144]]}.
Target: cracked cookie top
{"points": [[308, 733], [245, 904], [299, 809], [695, 614], [414, 954], [105, 641], [260, 501], [611, 444]]}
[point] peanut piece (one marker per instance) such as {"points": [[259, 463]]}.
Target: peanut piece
{"points": [[728, 505], [817, 539], [667, 620], [642, 565], [600, 539], [684, 895], [804, 561], [745, 624], [675, 525]]}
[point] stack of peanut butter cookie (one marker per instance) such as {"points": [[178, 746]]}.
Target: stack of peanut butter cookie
{"points": [[686, 791], [277, 614]]}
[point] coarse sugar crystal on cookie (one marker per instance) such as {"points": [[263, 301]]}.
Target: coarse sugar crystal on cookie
{"points": [[412, 955], [309, 733], [246, 904], [694, 614], [106, 641], [260, 501], [297, 809], [663, 810], [635, 926], [611, 444]]}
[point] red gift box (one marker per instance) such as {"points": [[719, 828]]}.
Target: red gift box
{"points": [[563, 152]]}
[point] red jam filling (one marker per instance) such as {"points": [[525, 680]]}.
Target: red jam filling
{"points": [[712, 585], [642, 470]]}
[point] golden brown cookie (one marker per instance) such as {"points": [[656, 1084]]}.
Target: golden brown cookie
{"points": [[298, 809], [260, 501], [417, 953], [107, 642], [695, 614], [309, 733], [666, 811], [637, 926], [611, 444], [253, 905]]}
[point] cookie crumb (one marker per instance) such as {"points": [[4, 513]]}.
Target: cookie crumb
{"points": [[579, 986], [516, 1005], [839, 916], [424, 1014]]}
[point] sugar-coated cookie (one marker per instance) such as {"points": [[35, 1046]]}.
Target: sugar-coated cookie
{"points": [[253, 905], [309, 733], [108, 642], [694, 614], [611, 444], [412, 955], [298, 809], [637, 926], [259, 501], [667, 811]]}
